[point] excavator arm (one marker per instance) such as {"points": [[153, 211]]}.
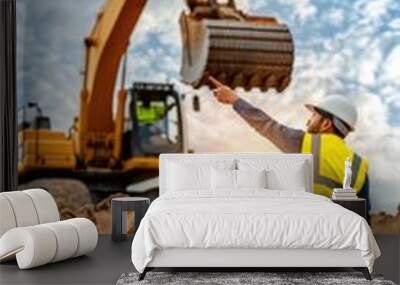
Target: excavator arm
{"points": [[98, 138]]}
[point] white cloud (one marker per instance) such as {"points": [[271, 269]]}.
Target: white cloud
{"points": [[335, 17], [375, 9], [369, 63], [303, 9], [395, 24], [391, 66], [159, 18]]}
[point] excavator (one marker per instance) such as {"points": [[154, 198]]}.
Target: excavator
{"points": [[238, 49]]}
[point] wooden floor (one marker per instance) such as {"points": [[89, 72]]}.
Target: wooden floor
{"points": [[111, 259]]}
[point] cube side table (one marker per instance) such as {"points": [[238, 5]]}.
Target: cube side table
{"points": [[119, 211], [357, 206]]}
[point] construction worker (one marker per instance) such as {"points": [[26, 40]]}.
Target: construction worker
{"points": [[330, 122], [148, 113]]}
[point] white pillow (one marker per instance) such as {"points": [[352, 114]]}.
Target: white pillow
{"points": [[282, 174], [223, 179], [251, 178], [293, 179], [227, 179], [186, 174], [184, 178]]}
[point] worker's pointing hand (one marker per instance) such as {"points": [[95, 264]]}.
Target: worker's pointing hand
{"points": [[223, 93]]}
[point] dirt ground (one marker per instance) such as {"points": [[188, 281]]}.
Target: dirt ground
{"points": [[73, 199], [383, 223]]}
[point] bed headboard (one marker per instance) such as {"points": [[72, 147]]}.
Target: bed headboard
{"points": [[164, 158]]}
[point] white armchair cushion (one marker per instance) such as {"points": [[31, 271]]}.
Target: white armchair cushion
{"points": [[40, 244], [7, 219], [32, 246], [66, 237], [87, 235], [23, 209], [26, 208], [31, 232], [45, 206]]}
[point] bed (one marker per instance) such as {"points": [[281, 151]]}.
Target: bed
{"points": [[244, 211]]}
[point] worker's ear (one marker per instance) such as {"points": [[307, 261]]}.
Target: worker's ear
{"points": [[326, 125]]}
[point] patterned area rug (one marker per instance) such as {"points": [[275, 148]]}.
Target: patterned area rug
{"points": [[225, 278]]}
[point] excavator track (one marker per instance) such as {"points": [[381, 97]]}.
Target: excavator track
{"points": [[238, 53]]}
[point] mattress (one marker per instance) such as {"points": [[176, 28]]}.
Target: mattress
{"points": [[250, 219]]}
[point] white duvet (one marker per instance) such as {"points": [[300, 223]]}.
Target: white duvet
{"points": [[250, 219]]}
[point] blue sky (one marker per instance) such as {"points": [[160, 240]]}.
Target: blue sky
{"points": [[346, 47]]}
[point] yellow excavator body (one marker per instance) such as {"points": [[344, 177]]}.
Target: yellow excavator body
{"points": [[41, 149]]}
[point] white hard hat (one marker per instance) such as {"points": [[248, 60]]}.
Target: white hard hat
{"points": [[338, 106]]}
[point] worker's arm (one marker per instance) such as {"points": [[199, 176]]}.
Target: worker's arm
{"points": [[285, 138]]}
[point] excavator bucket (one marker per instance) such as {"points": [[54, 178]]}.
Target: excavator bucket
{"points": [[243, 51]]}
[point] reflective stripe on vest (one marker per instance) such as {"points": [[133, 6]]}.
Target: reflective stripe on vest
{"points": [[334, 163]]}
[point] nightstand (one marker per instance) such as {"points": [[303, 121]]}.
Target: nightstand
{"points": [[358, 206], [119, 208]]}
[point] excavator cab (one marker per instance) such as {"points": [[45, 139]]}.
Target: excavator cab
{"points": [[156, 119]]}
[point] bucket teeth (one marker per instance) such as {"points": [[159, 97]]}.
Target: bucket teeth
{"points": [[271, 81], [238, 81], [256, 80], [222, 77], [284, 83], [239, 53]]}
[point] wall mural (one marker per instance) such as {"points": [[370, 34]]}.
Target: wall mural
{"points": [[350, 48]]}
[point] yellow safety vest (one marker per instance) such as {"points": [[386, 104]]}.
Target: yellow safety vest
{"points": [[149, 115], [329, 153]]}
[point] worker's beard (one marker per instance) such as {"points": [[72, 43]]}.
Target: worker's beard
{"points": [[314, 126]]}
